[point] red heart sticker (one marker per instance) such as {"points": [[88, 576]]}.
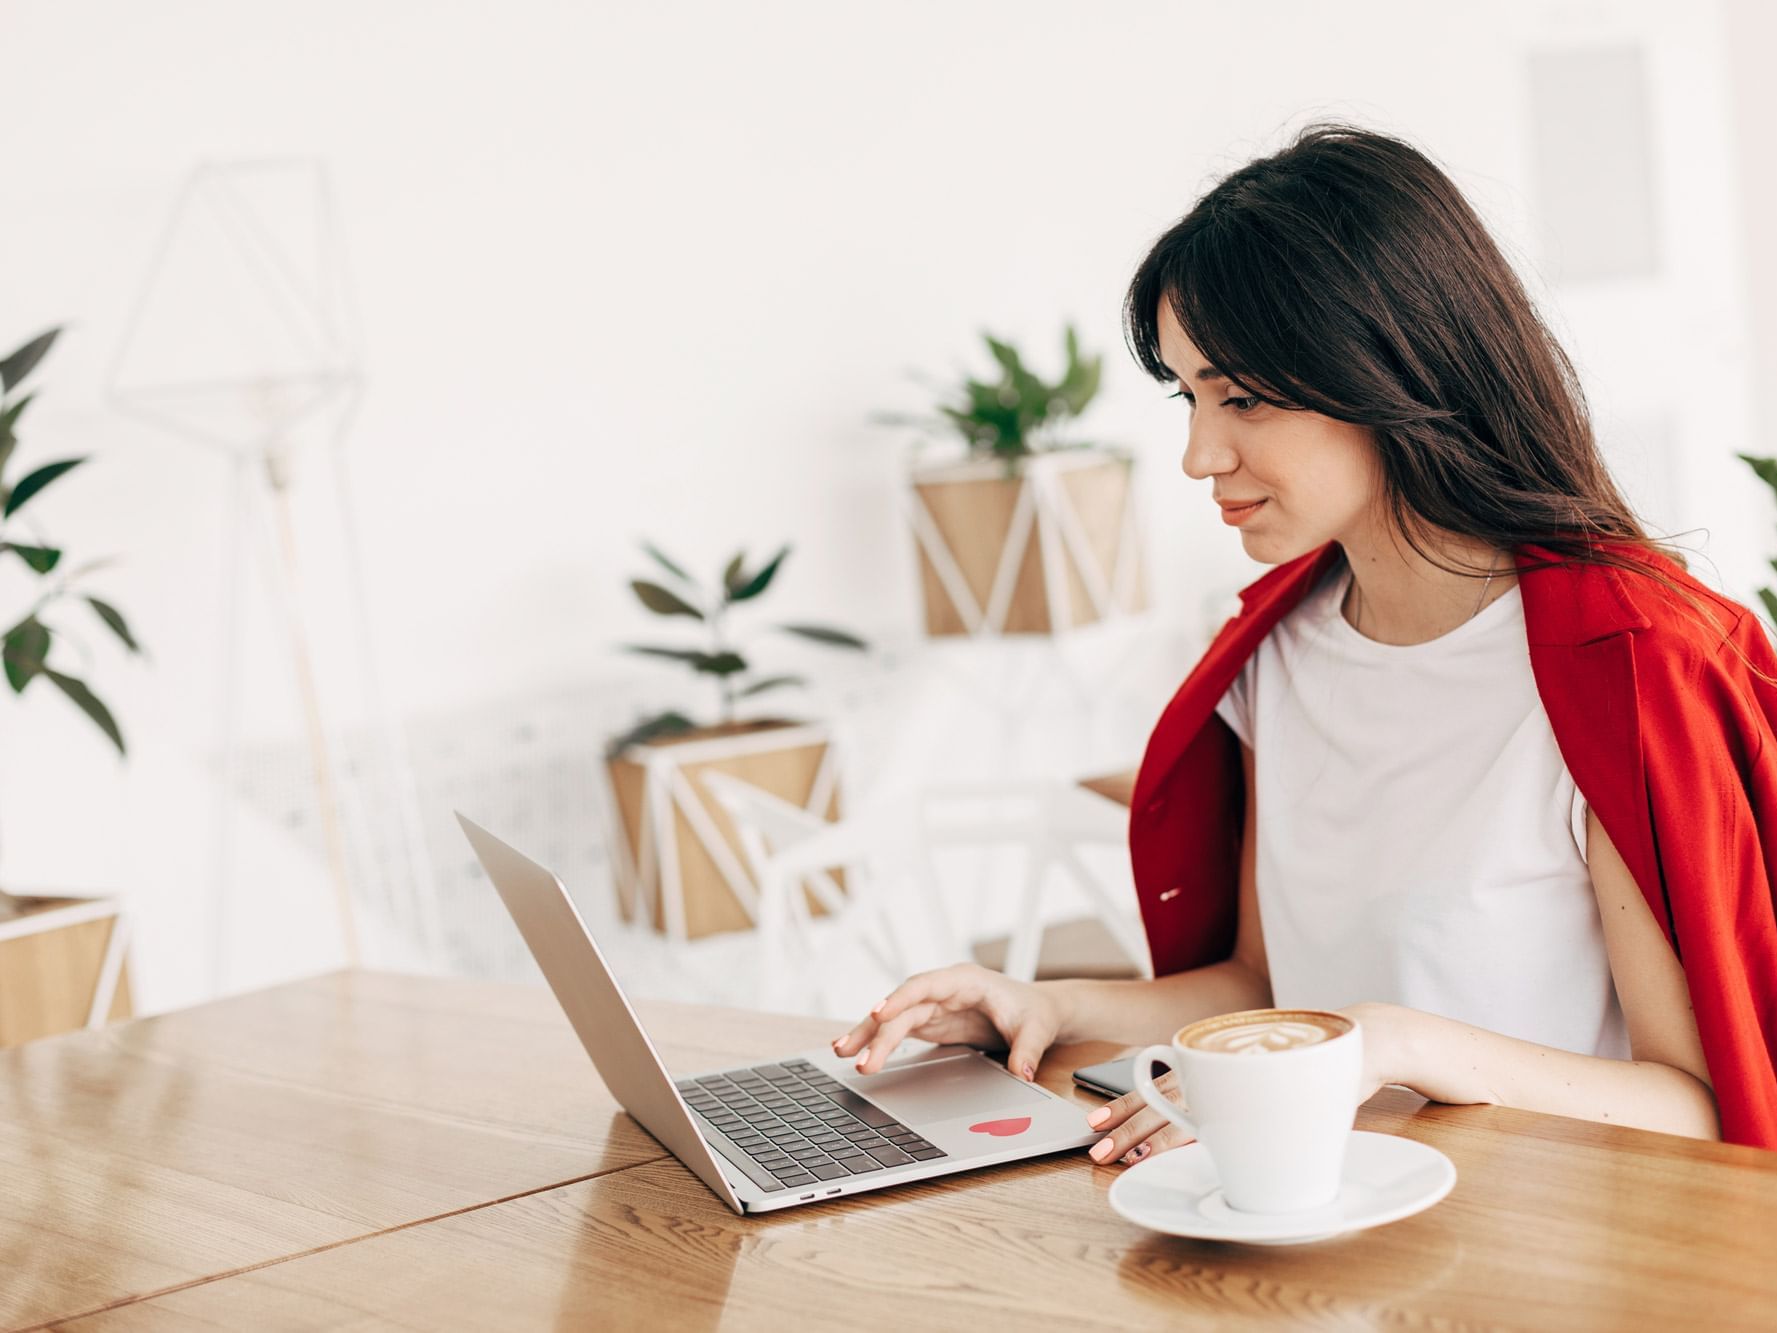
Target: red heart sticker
{"points": [[1001, 1129]]}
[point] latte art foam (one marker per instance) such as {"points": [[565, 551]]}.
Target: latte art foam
{"points": [[1263, 1033]]}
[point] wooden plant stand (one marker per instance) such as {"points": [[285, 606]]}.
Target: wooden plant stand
{"points": [[61, 966], [676, 856], [1042, 550]]}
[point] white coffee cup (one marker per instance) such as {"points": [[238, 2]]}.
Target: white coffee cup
{"points": [[1272, 1094]]}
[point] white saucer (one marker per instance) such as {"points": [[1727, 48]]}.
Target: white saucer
{"points": [[1385, 1179]]}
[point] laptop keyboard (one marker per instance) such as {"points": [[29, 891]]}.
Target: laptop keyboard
{"points": [[789, 1124]]}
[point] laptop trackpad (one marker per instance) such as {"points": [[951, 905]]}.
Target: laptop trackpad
{"points": [[943, 1089]]}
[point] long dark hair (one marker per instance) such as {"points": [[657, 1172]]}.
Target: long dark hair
{"points": [[1347, 274]]}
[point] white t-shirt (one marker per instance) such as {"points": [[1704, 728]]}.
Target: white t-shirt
{"points": [[1420, 839]]}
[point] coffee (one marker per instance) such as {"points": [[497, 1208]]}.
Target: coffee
{"points": [[1263, 1031]]}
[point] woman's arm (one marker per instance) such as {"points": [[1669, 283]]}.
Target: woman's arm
{"points": [[1664, 1085], [1145, 1011]]}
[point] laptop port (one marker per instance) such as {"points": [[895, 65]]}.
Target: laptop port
{"points": [[805, 1198], [834, 1190]]}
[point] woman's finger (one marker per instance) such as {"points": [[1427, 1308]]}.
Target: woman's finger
{"points": [[1132, 1131], [1029, 1041], [1115, 1112], [856, 1038], [946, 985], [918, 987], [891, 1034], [1167, 1137]]}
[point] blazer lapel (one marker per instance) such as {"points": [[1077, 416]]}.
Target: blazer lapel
{"points": [[1580, 625]]}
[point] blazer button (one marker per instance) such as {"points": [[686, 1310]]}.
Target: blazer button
{"points": [[1154, 806], [1171, 893]]}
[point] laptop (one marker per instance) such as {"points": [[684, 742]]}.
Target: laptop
{"points": [[779, 1133]]}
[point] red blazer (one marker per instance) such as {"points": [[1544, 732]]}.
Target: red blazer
{"points": [[1665, 728]]}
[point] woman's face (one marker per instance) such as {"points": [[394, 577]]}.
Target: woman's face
{"points": [[1291, 481]]}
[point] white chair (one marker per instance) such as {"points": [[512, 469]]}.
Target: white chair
{"points": [[793, 852], [888, 846], [1051, 820]]}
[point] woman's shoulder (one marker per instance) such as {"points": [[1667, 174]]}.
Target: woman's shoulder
{"points": [[1684, 630]]}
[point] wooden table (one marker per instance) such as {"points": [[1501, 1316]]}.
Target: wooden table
{"points": [[366, 1151]]}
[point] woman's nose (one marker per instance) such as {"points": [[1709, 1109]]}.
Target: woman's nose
{"points": [[1205, 455]]}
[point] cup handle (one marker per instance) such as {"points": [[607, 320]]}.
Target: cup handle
{"points": [[1144, 1082]]}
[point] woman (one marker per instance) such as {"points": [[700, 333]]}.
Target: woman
{"points": [[1369, 795]]}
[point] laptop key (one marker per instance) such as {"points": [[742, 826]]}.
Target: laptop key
{"points": [[792, 1178], [859, 1164], [869, 1113], [888, 1154], [859, 1133], [829, 1170], [926, 1154]]}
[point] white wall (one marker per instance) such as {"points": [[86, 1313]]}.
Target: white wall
{"points": [[632, 270]]}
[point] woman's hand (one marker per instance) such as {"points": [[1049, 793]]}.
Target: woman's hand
{"points": [[1135, 1130], [966, 1005]]}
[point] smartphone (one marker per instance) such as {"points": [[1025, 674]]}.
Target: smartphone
{"points": [[1113, 1078]]}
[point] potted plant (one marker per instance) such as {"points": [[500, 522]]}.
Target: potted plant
{"points": [[676, 855], [1025, 528], [61, 958]]}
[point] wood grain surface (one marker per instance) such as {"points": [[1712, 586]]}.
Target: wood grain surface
{"points": [[173, 1148], [1553, 1223], [1548, 1228]]}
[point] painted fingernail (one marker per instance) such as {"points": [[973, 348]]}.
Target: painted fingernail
{"points": [[1099, 1116], [1101, 1150], [1137, 1153], [877, 1009], [1030, 1075], [863, 1058]]}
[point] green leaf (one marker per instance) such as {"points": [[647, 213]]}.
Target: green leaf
{"points": [[1006, 355], [24, 648], [88, 703], [1766, 468], [760, 581], [8, 433], [662, 724], [836, 638], [23, 361], [1769, 598], [662, 601], [769, 683], [36, 481], [665, 563], [734, 575], [715, 664], [675, 654], [721, 664], [110, 616], [40, 558]]}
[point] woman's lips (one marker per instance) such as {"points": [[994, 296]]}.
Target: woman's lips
{"points": [[1235, 515]]}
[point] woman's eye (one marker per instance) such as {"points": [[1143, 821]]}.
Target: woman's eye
{"points": [[1241, 404], [1190, 400]]}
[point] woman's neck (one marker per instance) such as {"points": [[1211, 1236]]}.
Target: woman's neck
{"points": [[1400, 597]]}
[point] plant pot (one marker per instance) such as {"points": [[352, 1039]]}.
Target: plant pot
{"points": [[1047, 547], [676, 857], [61, 966]]}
